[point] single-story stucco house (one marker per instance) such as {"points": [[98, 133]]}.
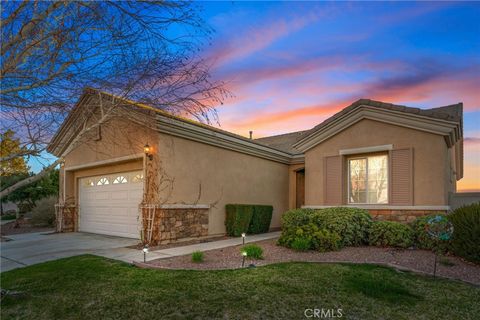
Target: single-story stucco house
{"points": [[134, 171]]}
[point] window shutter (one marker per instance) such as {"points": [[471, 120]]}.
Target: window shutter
{"points": [[333, 180], [402, 177]]}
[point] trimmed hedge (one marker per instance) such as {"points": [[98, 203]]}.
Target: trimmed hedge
{"points": [[466, 233], [421, 237], [350, 225], [391, 234], [238, 217], [261, 219], [247, 218]]}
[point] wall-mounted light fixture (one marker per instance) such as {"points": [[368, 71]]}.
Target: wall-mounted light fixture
{"points": [[148, 151]]}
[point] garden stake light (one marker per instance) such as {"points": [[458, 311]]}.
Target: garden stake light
{"points": [[244, 255], [243, 238], [145, 251]]}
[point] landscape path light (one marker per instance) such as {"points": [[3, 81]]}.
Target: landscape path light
{"points": [[243, 237], [145, 251], [244, 255]]}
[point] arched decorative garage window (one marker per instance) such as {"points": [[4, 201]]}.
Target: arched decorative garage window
{"points": [[120, 179], [137, 178], [88, 183], [103, 181]]}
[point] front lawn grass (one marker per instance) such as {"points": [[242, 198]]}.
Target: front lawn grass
{"points": [[90, 287]]}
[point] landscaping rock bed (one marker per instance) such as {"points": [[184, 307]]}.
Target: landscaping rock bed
{"points": [[421, 261], [23, 226]]}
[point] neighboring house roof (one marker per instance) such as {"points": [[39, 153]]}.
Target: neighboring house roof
{"points": [[283, 142]]}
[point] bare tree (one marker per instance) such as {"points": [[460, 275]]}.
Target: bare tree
{"points": [[142, 51]]}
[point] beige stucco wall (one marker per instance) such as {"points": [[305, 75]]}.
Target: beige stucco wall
{"points": [[119, 139], [204, 174], [431, 164]]}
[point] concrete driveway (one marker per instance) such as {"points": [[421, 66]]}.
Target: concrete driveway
{"points": [[31, 248]]}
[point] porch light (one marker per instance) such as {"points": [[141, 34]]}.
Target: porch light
{"points": [[148, 151], [145, 251]]}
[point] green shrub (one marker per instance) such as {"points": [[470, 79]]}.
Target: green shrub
{"points": [[43, 214], [351, 224], [197, 256], [301, 244], [261, 219], [238, 217], [466, 232], [324, 240], [291, 220], [253, 251], [423, 240], [389, 233], [316, 239], [9, 216]]}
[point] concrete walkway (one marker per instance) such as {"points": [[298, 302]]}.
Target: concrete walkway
{"points": [[31, 248]]}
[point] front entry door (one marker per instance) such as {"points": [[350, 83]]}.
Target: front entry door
{"points": [[300, 188]]}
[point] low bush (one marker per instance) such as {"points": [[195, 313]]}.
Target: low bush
{"points": [[238, 217], [197, 256], [423, 240], [9, 216], [253, 251], [319, 239], [324, 240], [466, 232], [261, 219], [352, 225], [391, 234], [43, 214], [301, 244], [291, 221]]}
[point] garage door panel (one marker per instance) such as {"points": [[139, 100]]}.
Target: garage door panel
{"points": [[110, 208]]}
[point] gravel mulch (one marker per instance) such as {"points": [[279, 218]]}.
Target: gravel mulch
{"points": [[23, 227], [415, 260]]}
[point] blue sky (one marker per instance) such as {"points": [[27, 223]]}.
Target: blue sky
{"points": [[291, 65]]}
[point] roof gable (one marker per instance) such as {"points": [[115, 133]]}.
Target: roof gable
{"points": [[445, 121]]}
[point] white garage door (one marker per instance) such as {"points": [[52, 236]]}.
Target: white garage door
{"points": [[109, 204]]}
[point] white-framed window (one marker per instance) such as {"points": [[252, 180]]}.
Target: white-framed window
{"points": [[103, 181], [120, 179], [368, 179]]}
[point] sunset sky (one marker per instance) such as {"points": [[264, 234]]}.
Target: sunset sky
{"points": [[292, 65]]}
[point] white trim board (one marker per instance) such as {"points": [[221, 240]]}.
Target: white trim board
{"points": [[385, 147], [381, 207]]}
